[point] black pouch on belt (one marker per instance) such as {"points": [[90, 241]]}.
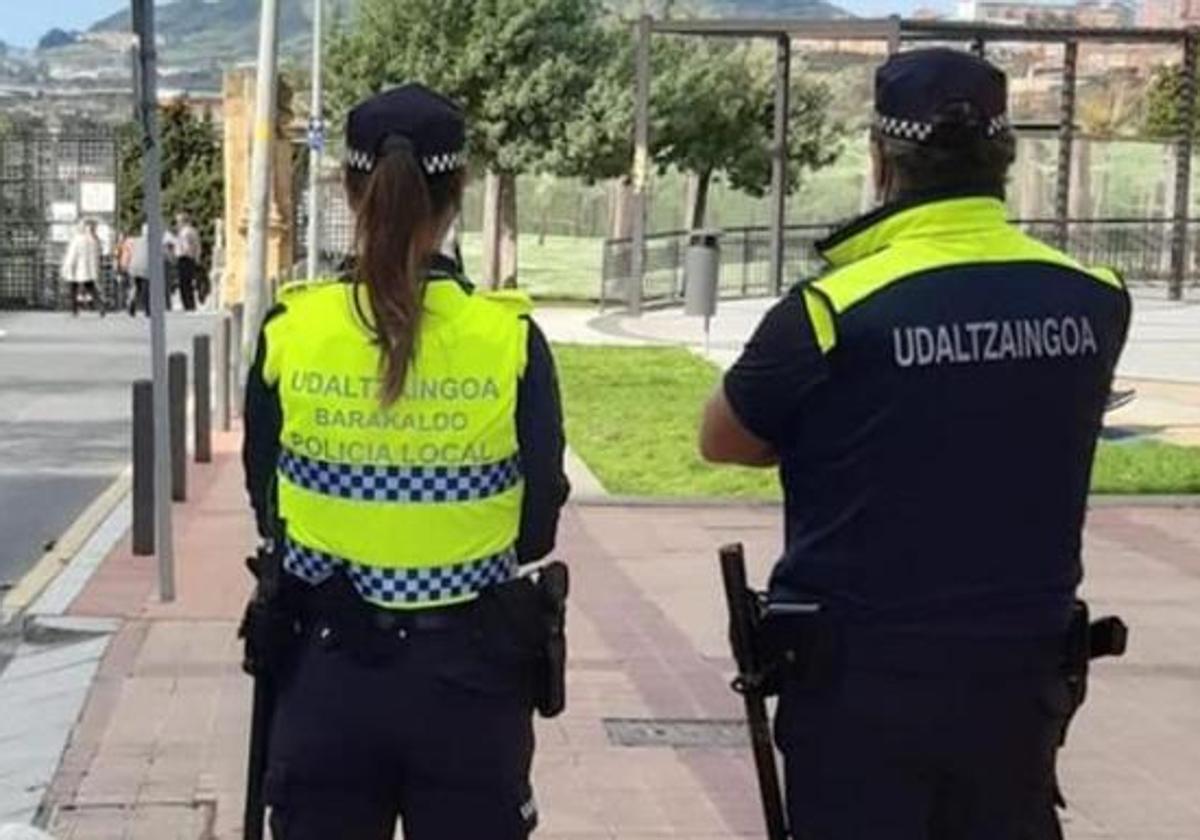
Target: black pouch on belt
{"points": [[794, 641], [525, 619]]}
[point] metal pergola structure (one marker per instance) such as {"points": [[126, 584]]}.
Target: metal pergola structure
{"points": [[895, 32]]}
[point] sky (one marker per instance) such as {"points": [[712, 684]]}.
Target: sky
{"points": [[22, 22]]}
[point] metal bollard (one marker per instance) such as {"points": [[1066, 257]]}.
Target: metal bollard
{"points": [[143, 468], [225, 376], [202, 387], [177, 393]]}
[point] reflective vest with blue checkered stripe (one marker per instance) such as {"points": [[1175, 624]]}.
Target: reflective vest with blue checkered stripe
{"points": [[420, 501]]}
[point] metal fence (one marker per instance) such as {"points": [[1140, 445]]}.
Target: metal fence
{"points": [[49, 182], [1139, 248]]}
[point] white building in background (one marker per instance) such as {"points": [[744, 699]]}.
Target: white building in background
{"points": [[1087, 13], [1169, 13]]}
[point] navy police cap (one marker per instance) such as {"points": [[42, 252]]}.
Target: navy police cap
{"points": [[939, 96], [432, 124]]}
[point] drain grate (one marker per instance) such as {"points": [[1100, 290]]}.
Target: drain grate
{"points": [[676, 732]]}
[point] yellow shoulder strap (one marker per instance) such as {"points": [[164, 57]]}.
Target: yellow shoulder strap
{"points": [[514, 300]]}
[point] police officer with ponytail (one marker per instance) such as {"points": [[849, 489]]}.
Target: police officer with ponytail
{"points": [[404, 431]]}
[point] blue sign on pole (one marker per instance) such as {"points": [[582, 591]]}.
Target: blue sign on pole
{"points": [[316, 134]]}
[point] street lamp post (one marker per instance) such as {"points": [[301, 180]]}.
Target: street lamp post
{"points": [[260, 182], [316, 143], [147, 87]]}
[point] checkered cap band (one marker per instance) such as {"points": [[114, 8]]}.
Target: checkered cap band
{"points": [[920, 132], [998, 125], [433, 164], [360, 161], [404, 586], [903, 129], [374, 483]]}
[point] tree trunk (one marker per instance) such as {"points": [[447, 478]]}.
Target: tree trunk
{"points": [[1081, 195], [1029, 178], [621, 218], [700, 200], [491, 230], [507, 276]]}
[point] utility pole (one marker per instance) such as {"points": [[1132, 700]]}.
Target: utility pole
{"points": [[260, 182], [147, 87], [316, 142]]}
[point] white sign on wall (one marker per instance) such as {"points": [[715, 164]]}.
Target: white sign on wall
{"points": [[98, 197], [64, 212]]}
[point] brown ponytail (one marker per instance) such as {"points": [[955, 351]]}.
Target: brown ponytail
{"points": [[399, 214]]}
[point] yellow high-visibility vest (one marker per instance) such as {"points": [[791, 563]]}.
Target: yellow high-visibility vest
{"points": [[420, 502]]}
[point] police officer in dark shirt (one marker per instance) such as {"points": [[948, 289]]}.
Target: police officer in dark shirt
{"points": [[933, 403]]}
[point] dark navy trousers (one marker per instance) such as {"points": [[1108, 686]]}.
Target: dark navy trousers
{"points": [[435, 732], [893, 755]]}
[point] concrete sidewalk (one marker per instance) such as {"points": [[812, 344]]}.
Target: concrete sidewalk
{"points": [[159, 751], [1161, 359]]}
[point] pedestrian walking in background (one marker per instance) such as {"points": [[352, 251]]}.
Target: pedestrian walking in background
{"points": [[122, 260], [139, 267], [139, 270], [187, 262], [81, 267]]}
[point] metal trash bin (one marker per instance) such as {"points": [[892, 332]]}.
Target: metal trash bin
{"points": [[701, 273], [701, 276]]}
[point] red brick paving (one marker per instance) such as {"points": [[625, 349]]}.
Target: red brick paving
{"points": [[159, 752]]}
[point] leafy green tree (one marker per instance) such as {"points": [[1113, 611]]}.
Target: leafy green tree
{"points": [[521, 69], [192, 171], [713, 113], [1163, 118]]}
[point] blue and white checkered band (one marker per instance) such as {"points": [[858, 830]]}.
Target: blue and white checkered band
{"points": [[438, 164], [375, 483], [404, 586], [998, 125], [919, 132], [903, 129]]}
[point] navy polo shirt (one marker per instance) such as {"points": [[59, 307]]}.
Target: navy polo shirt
{"points": [[935, 400]]}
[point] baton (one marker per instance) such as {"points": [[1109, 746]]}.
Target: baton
{"points": [[748, 683]]}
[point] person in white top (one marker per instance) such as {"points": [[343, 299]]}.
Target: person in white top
{"points": [[81, 267], [187, 260]]}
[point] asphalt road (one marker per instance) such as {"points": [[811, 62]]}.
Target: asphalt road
{"points": [[65, 404]]}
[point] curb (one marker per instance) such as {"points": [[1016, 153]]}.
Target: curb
{"points": [[56, 559]]}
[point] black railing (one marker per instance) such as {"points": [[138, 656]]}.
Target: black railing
{"points": [[48, 183], [1139, 248]]}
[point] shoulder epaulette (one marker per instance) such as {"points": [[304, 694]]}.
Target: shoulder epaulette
{"points": [[295, 287]]}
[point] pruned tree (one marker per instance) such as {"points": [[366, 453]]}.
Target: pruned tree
{"points": [[1164, 103], [713, 114], [193, 174]]}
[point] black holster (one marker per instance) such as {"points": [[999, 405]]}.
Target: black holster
{"points": [[532, 611], [1088, 640], [269, 628]]}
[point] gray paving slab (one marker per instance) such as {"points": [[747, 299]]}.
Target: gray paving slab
{"points": [[20, 808], [42, 693], [36, 661], [36, 718]]}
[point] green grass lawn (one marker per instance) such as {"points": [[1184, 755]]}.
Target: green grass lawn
{"points": [[632, 415], [561, 268]]}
